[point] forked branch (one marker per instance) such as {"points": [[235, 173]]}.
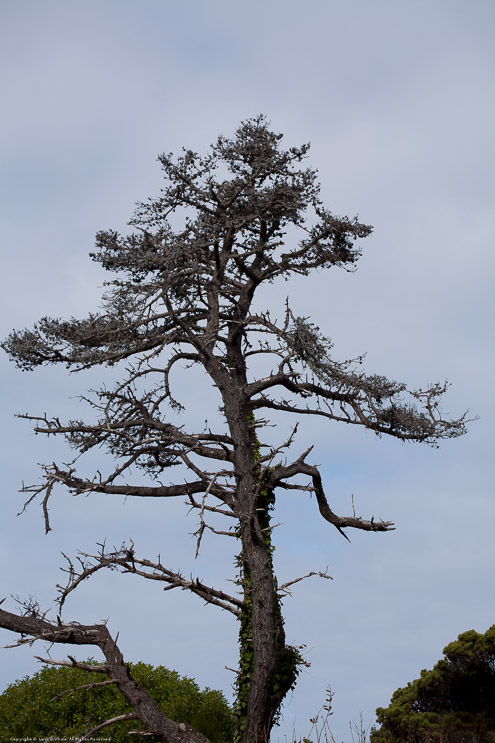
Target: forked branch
{"points": [[284, 588], [301, 467], [126, 560], [121, 718]]}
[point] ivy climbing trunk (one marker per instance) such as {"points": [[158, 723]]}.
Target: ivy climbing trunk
{"points": [[256, 704], [267, 667], [258, 631]]}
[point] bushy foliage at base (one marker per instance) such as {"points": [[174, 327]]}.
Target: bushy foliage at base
{"points": [[37, 706], [452, 703]]}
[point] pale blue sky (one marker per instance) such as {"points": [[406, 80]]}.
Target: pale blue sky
{"points": [[397, 101]]}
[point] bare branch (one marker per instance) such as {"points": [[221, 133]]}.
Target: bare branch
{"points": [[121, 718], [73, 663], [283, 588], [126, 560], [212, 509], [108, 682], [300, 467]]}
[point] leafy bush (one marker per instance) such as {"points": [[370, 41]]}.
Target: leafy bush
{"points": [[32, 706]]}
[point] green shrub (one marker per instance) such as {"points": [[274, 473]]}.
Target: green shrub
{"points": [[452, 703], [31, 708]]}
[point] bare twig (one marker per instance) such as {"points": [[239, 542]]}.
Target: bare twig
{"points": [[108, 682], [121, 718], [289, 583]]}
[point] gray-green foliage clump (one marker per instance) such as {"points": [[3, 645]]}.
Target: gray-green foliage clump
{"points": [[43, 705], [452, 703]]}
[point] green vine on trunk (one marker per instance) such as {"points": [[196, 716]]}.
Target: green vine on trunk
{"points": [[289, 659]]}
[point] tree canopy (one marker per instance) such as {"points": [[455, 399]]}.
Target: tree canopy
{"points": [[184, 293], [452, 703]]}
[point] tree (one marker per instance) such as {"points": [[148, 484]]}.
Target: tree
{"points": [[452, 703], [46, 704], [184, 294]]}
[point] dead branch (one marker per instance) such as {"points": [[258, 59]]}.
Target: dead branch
{"points": [[289, 583], [300, 467], [121, 718], [126, 560], [205, 507], [78, 486], [73, 663], [84, 686]]}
